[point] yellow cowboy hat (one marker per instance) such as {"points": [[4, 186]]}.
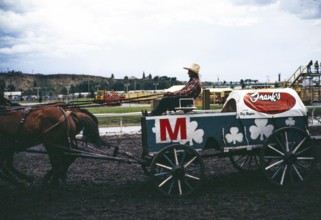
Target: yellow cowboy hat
{"points": [[195, 68]]}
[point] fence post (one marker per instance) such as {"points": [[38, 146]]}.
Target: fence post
{"points": [[206, 99], [121, 124]]}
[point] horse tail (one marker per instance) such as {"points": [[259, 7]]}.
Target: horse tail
{"points": [[92, 116], [89, 127]]}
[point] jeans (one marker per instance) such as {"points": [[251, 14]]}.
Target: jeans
{"points": [[166, 103]]}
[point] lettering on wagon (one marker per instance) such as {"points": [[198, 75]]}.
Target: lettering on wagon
{"points": [[269, 102], [273, 97], [180, 130], [167, 133]]}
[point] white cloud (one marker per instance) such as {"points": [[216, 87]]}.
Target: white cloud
{"points": [[307, 9], [230, 39]]}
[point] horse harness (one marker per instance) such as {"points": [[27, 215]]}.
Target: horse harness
{"points": [[63, 118]]}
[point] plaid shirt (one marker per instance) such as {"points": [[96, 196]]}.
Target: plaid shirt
{"points": [[191, 90]]}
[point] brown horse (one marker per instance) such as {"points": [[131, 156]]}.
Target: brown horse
{"points": [[52, 126]]}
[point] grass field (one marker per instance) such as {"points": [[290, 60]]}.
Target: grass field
{"points": [[118, 121]]}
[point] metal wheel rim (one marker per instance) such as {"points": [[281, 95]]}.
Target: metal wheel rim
{"points": [[177, 170], [288, 157]]}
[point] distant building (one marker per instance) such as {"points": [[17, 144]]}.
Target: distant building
{"points": [[13, 96]]}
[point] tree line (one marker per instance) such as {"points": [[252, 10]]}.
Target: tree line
{"points": [[93, 83]]}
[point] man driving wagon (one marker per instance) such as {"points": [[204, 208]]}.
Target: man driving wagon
{"points": [[170, 101]]}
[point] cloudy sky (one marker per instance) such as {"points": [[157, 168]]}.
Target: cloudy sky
{"points": [[230, 39]]}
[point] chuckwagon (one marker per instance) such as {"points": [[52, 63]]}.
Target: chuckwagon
{"points": [[269, 130], [256, 129]]}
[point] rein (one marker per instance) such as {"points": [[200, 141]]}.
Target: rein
{"points": [[143, 97], [62, 118], [86, 104], [83, 104]]}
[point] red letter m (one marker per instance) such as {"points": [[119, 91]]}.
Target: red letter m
{"points": [[165, 128]]}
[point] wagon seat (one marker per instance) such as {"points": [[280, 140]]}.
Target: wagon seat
{"points": [[187, 104]]}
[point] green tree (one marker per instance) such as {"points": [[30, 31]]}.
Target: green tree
{"points": [[118, 86], [2, 86], [11, 88], [149, 86], [63, 91], [72, 89], [242, 83]]}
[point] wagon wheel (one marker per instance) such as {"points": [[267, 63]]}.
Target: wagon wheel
{"points": [[288, 157], [177, 170], [247, 162]]}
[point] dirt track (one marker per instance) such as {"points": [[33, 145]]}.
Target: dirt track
{"points": [[108, 190]]}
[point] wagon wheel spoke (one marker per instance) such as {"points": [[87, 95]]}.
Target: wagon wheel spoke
{"points": [[183, 158], [305, 158], [188, 185], [246, 159], [280, 143], [189, 162], [299, 145], [248, 162], [274, 164], [179, 187], [276, 150], [192, 177], [175, 157], [304, 150], [237, 158], [161, 174], [276, 172], [171, 187], [286, 141], [163, 166], [290, 160], [177, 170], [165, 181], [255, 159], [297, 172]]}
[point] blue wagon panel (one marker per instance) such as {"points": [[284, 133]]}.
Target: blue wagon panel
{"points": [[199, 130], [247, 119]]}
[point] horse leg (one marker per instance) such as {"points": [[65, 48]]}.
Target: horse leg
{"points": [[7, 176], [56, 173], [66, 162], [8, 165]]}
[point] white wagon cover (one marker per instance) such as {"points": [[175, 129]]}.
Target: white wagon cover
{"points": [[265, 103]]}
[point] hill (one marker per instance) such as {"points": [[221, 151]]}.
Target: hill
{"points": [[55, 84], [49, 84]]}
